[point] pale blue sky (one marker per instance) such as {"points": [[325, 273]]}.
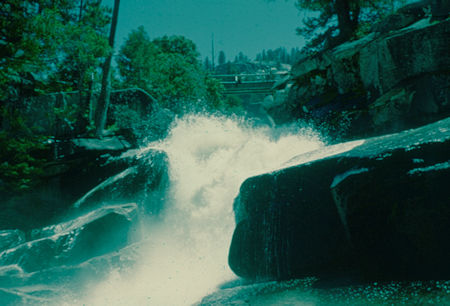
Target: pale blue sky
{"points": [[238, 25]]}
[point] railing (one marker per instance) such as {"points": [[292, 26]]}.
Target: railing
{"points": [[248, 78]]}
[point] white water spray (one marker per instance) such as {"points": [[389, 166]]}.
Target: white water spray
{"points": [[186, 256]]}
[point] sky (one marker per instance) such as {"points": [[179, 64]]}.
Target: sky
{"points": [[237, 25]]}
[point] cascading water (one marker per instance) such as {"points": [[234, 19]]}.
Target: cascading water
{"points": [[180, 254], [185, 256]]}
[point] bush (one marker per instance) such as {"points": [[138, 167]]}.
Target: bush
{"points": [[21, 155]]}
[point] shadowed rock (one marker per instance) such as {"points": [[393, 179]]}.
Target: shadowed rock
{"points": [[101, 231], [380, 209]]}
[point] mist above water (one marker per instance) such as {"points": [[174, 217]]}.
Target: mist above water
{"points": [[185, 256]]}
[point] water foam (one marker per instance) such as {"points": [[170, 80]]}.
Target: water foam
{"points": [[186, 256]]}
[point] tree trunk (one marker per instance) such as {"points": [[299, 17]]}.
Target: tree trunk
{"points": [[104, 98], [90, 100], [81, 11], [347, 22]]}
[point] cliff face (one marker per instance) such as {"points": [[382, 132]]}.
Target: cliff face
{"points": [[397, 77]]}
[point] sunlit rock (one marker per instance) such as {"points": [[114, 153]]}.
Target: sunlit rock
{"points": [[10, 239], [379, 210], [101, 231], [102, 145]]}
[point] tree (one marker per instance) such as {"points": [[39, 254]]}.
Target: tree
{"points": [[46, 45], [83, 50], [207, 64], [168, 68], [338, 19], [105, 93], [177, 44], [222, 58], [28, 40], [241, 57], [136, 59]]}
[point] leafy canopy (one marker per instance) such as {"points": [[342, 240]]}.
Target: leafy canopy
{"points": [[49, 45], [168, 68]]}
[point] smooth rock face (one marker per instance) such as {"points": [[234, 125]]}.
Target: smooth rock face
{"points": [[382, 83], [145, 183], [99, 232], [380, 209]]}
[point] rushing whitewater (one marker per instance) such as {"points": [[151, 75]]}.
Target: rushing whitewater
{"points": [[185, 256]]}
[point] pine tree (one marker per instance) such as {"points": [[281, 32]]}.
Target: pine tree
{"points": [[324, 32], [207, 64], [222, 58]]}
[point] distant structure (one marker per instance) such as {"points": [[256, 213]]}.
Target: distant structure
{"points": [[212, 52]]}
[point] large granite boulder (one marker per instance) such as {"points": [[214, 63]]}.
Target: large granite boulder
{"points": [[387, 81], [144, 183], [101, 231], [377, 207], [97, 172]]}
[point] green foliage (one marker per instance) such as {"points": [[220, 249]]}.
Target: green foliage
{"points": [[335, 21], [233, 105], [135, 59], [83, 47], [49, 45], [21, 164], [178, 45], [168, 68], [214, 90], [23, 38], [124, 117]]}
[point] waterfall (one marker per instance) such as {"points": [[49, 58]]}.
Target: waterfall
{"points": [[185, 253]]}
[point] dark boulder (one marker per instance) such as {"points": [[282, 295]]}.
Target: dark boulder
{"points": [[377, 207], [144, 183], [101, 231], [94, 174]]}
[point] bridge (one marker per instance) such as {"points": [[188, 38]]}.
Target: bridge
{"points": [[251, 89], [249, 84]]}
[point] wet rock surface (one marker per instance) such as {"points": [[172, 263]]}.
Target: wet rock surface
{"points": [[42, 287], [379, 209], [89, 239], [309, 291], [101, 231], [392, 79], [10, 239], [145, 182], [88, 178]]}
